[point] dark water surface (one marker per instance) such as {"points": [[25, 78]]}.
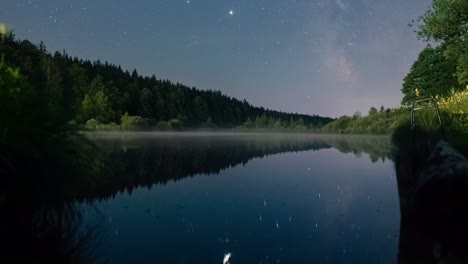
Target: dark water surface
{"points": [[263, 198]]}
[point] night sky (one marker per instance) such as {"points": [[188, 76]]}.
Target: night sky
{"points": [[327, 57]]}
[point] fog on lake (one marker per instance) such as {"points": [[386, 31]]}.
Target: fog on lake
{"points": [[263, 198]]}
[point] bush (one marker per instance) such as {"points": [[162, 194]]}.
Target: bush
{"points": [[163, 125], [455, 112], [249, 123], [383, 122], [300, 128], [176, 123], [278, 125], [92, 124], [108, 127], [128, 122]]}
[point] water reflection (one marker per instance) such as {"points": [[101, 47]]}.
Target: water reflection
{"points": [[324, 199], [39, 222], [135, 160], [312, 202]]}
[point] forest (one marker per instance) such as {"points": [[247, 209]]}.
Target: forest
{"points": [[103, 96]]}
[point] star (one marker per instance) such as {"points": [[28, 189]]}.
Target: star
{"points": [[231, 12]]}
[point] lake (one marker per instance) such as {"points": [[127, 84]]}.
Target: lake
{"points": [[263, 198]]}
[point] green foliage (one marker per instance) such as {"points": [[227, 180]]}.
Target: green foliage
{"points": [[264, 122], [432, 74], [92, 124], [446, 23], [300, 123], [455, 112], [78, 87], [108, 127], [339, 125], [146, 102], [271, 122], [96, 106], [373, 111], [24, 110], [375, 123], [300, 128], [278, 124], [54, 84], [163, 125], [176, 123], [128, 122], [208, 124], [442, 71], [261, 121], [249, 123], [291, 123], [200, 109]]}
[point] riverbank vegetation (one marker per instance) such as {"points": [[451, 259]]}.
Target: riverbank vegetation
{"points": [[441, 72], [453, 109]]}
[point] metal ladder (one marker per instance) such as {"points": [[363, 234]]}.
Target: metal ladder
{"points": [[430, 103]]}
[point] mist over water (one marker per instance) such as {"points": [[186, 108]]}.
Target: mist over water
{"points": [[264, 198]]}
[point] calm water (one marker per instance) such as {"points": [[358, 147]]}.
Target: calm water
{"points": [[262, 198]]}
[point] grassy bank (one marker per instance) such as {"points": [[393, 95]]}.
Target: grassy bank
{"points": [[454, 112]]}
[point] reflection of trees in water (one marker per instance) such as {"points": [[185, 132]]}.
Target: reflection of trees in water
{"points": [[137, 162], [64, 231], [377, 147], [45, 235], [38, 224], [40, 220], [129, 165]]}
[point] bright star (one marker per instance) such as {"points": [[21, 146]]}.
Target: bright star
{"points": [[231, 12]]}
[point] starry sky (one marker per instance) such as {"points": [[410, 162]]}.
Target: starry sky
{"points": [[327, 57]]}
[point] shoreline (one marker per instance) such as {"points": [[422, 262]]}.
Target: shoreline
{"points": [[207, 133]]}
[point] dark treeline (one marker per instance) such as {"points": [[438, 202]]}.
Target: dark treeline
{"points": [[96, 93]]}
